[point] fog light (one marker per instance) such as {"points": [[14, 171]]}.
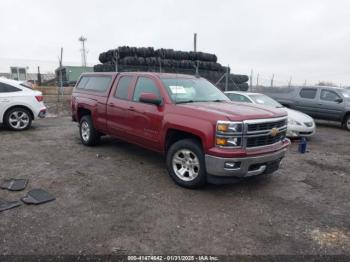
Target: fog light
{"points": [[230, 165]]}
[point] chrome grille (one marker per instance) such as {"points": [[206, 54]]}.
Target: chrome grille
{"points": [[265, 126], [265, 140], [258, 133]]}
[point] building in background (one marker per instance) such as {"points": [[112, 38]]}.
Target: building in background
{"points": [[18, 73], [71, 74], [21, 74]]}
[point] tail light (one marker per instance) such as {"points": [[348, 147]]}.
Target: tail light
{"points": [[39, 98]]}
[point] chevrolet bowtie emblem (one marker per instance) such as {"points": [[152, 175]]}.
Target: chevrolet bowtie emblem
{"points": [[274, 132]]}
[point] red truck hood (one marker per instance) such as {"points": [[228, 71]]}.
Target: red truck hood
{"points": [[236, 111]]}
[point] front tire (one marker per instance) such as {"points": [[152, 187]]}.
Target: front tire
{"points": [[185, 163], [18, 119], [88, 134], [347, 122]]}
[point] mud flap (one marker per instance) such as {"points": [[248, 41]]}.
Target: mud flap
{"points": [[13, 184], [37, 196]]}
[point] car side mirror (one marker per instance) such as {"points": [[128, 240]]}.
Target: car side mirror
{"points": [[150, 98], [339, 100]]}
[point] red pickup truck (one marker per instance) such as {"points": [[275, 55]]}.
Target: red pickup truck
{"points": [[205, 136]]}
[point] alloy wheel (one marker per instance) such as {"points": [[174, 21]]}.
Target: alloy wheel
{"points": [[186, 165], [19, 120]]}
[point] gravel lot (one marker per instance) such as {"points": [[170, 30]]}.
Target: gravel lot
{"points": [[118, 199]]}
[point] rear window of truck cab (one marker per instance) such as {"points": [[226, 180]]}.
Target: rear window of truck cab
{"points": [[94, 83]]}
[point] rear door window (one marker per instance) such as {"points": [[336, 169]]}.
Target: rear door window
{"points": [[95, 83], [308, 93], [145, 85], [123, 87], [5, 88]]}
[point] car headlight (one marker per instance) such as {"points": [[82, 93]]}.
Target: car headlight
{"points": [[293, 122], [229, 134]]}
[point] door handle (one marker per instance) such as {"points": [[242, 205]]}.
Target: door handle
{"points": [[131, 108]]}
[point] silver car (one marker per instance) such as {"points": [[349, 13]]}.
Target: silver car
{"points": [[299, 124]]}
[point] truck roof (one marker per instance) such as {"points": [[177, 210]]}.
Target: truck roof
{"points": [[159, 75]]}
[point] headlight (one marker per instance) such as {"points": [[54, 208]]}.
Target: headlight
{"points": [[293, 122], [228, 134], [229, 127]]}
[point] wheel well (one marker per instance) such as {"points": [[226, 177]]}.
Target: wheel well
{"points": [[83, 112], [345, 116], [24, 107], [174, 135]]}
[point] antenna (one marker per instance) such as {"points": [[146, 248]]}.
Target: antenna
{"points": [[82, 39]]}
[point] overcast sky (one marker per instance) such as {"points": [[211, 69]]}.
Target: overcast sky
{"points": [[308, 40]]}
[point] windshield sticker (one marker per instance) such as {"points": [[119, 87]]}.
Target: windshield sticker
{"points": [[177, 89]]}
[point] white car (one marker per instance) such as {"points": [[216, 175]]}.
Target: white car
{"points": [[19, 105], [299, 124]]}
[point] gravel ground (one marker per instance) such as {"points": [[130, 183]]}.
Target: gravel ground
{"points": [[118, 199]]}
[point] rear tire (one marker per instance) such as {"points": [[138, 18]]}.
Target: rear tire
{"points": [[18, 119], [88, 134], [185, 163]]}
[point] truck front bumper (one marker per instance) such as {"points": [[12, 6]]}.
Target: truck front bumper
{"points": [[243, 167]]}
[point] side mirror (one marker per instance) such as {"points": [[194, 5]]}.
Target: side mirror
{"points": [[339, 100], [150, 98]]}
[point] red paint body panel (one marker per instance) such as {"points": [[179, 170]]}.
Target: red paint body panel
{"points": [[147, 125]]}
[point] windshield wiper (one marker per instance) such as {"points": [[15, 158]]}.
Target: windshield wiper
{"points": [[186, 101], [218, 100], [195, 101]]}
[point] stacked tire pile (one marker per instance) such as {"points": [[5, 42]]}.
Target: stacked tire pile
{"points": [[147, 59]]}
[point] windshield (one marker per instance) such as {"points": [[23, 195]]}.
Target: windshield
{"points": [[186, 90], [346, 94], [265, 100]]}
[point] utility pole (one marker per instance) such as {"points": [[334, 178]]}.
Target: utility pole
{"points": [[195, 42], [39, 77], [60, 75], [290, 82], [82, 39], [251, 80], [257, 80], [116, 58], [273, 76], [195, 50], [226, 80]]}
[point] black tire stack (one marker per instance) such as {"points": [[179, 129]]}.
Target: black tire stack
{"points": [[147, 59]]}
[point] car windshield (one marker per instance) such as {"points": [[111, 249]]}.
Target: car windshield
{"points": [[265, 100], [346, 94], [189, 90]]}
